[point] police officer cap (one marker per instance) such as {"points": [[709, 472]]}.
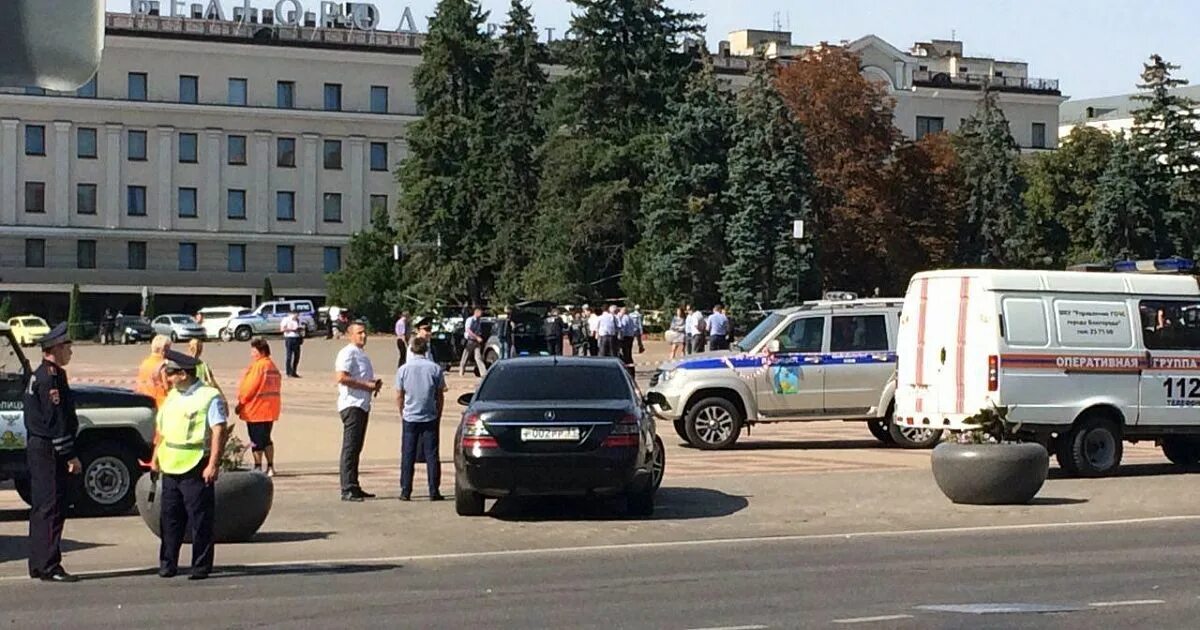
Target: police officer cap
{"points": [[56, 336], [425, 322], [175, 360]]}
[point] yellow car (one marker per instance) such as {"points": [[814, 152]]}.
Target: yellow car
{"points": [[28, 328]]}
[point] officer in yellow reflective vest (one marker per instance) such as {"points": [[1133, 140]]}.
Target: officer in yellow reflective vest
{"points": [[192, 424]]}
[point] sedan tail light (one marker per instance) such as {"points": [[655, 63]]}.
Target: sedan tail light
{"points": [[476, 435], [624, 433]]}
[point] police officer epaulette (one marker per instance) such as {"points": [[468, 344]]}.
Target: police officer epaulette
{"points": [[51, 370]]}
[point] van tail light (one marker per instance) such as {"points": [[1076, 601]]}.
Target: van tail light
{"points": [[624, 433], [993, 373], [475, 435]]}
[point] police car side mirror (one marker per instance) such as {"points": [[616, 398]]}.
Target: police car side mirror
{"points": [[774, 347], [465, 399]]}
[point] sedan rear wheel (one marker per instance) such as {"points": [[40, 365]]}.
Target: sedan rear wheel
{"points": [[174, 337], [660, 462], [467, 502], [713, 424]]}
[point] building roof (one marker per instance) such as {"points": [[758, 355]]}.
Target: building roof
{"points": [[1110, 107]]}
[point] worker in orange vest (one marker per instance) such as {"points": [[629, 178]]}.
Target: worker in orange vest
{"points": [[150, 380], [259, 402]]}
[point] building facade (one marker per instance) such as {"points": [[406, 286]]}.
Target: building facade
{"points": [[1110, 113], [204, 157]]}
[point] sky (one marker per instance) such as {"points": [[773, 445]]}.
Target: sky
{"points": [[1093, 47]]}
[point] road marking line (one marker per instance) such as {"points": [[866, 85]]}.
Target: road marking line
{"points": [[1131, 602], [670, 544], [872, 619], [731, 628]]}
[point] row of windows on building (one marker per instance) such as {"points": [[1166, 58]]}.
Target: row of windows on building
{"points": [[86, 148], [936, 124], [186, 202], [85, 256], [237, 93]]}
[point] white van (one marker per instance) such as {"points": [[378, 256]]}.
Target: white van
{"points": [[1081, 360]]}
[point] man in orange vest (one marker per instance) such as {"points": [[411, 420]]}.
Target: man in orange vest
{"points": [[151, 381], [259, 402]]}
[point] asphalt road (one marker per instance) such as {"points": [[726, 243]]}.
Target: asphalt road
{"points": [[1139, 575]]}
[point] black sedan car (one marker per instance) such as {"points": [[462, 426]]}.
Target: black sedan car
{"points": [[556, 426]]}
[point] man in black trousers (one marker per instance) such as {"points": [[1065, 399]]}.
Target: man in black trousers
{"points": [[51, 425]]}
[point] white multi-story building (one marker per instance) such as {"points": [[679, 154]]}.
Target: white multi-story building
{"points": [[1110, 113], [935, 87], [204, 157]]}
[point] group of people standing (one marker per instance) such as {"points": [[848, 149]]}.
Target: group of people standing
{"points": [[690, 332]]}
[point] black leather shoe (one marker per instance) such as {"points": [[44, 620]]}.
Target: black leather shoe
{"points": [[360, 493], [36, 575], [349, 496], [164, 572], [198, 575], [437, 497], [61, 576]]}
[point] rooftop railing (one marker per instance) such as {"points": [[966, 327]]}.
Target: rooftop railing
{"points": [[977, 81]]}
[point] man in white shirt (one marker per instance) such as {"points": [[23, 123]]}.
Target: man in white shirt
{"points": [[290, 327], [473, 335], [695, 334], [357, 384], [593, 325], [607, 330]]}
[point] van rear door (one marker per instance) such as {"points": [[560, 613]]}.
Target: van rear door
{"points": [[934, 364]]}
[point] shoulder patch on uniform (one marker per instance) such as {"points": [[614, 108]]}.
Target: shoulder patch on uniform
{"points": [[222, 407]]}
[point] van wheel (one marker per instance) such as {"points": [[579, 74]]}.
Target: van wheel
{"points": [[1093, 447], [1182, 451], [881, 429], [914, 437], [713, 424], [681, 430]]}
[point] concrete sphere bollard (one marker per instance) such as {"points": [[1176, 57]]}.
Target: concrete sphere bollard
{"points": [[243, 500], [990, 474]]}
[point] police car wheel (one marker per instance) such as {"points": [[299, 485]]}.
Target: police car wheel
{"points": [[243, 334], [713, 424], [106, 486], [1095, 446], [24, 489], [1182, 450], [881, 429], [681, 430]]}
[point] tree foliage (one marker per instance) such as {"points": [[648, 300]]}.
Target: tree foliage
{"points": [[74, 316], [1128, 219], [924, 181], [268, 292], [990, 158], [369, 281], [1060, 197]]}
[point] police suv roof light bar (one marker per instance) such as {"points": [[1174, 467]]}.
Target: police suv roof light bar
{"points": [[1163, 265]]}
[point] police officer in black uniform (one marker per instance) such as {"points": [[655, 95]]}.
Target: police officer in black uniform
{"points": [[51, 424]]}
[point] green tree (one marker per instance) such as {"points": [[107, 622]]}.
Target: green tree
{"points": [[268, 292], [1128, 220], [682, 250], [150, 311], [1166, 127], [513, 130], [1060, 197], [925, 191], [74, 317], [441, 180], [369, 282], [990, 162], [767, 189], [6, 308]]}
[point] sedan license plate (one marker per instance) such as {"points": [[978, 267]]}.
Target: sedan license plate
{"points": [[549, 434]]}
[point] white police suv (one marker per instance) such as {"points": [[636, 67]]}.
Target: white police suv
{"points": [[825, 360]]}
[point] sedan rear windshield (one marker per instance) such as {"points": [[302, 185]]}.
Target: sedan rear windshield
{"points": [[513, 381], [32, 321]]}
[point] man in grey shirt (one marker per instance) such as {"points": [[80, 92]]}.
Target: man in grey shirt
{"points": [[420, 396]]}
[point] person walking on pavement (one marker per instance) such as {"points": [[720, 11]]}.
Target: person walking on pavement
{"points": [[718, 329], [259, 402], [193, 424], [552, 333], [505, 333], [357, 384], [420, 396], [606, 333], [51, 425], [292, 340], [473, 333], [402, 337], [150, 380]]}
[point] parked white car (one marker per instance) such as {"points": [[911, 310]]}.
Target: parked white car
{"points": [[266, 319], [215, 319]]}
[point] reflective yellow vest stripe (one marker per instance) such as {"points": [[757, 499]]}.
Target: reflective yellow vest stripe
{"points": [[183, 429]]}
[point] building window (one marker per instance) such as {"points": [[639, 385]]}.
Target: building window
{"points": [[285, 152], [379, 158], [35, 252], [187, 203], [378, 203], [333, 259], [35, 197], [333, 155], [333, 97], [85, 254], [85, 143], [189, 89], [137, 146], [285, 205], [237, 150], [236, 207], [333, 208], [237, 257], [187, 256], [137, 86], [1039, 135], [85, 198], [88, 90], [379, 99], [285, 94], [136, 201], [929, 124], [285, 259], [238, 93], [35, 140], [188, 143], [136, 253]]}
